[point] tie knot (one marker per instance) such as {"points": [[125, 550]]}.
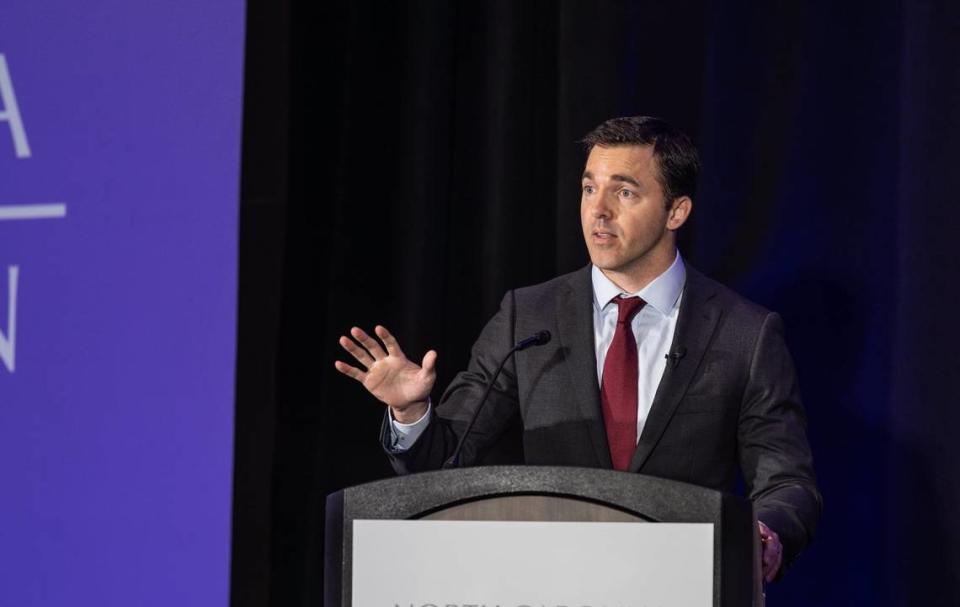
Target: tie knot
{"points": [[627, 307]]}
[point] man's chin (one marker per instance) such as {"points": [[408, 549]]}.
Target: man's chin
{"points": [[605, 260], [616, 266]]}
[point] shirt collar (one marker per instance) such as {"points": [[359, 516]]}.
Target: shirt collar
{"points": [[662, 293]]}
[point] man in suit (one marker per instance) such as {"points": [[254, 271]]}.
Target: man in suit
{"points": [[653, 367]]}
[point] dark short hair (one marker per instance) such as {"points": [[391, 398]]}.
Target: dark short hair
{"points": [[678, 163]]}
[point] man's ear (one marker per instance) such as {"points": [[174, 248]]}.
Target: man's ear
{"points": [[679, 212]]}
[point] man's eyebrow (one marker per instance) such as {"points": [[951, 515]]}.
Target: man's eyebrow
{"points": [[625, 179], [621, 178]]}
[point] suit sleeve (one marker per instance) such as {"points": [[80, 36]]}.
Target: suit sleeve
{"points": [[774, 453], [451, 416]]}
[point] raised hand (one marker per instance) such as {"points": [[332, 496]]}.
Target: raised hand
{"points": [[388, 374]]}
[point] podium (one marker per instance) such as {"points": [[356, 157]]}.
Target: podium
{"points": [[544, 494]]}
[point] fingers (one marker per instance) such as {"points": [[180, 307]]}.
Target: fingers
{"points": [[429, 361], [349, 371], [393, 348], [363, 357], [369, 353], [372, 345], [772, 559], [772, 552], [766, 560]]}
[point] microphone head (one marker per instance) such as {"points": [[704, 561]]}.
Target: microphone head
{"points": [[537, 339]]}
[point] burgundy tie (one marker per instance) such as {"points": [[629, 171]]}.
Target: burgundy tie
{"points": [[618, 391]]}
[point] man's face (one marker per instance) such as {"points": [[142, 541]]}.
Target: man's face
{"points": [[622, 209]]}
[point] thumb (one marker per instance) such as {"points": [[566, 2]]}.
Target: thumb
{"points": [[429, 361]]}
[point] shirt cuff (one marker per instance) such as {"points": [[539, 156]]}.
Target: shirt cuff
{"points": [[403, 436]]}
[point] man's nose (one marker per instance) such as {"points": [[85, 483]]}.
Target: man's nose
{"points": [[602, 207]]}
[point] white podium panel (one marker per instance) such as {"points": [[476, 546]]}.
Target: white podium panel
{"points": [[416, 563]]}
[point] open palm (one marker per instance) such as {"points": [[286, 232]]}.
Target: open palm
{"points": [[387, 373]]}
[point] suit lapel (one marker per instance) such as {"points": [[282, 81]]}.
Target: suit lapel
{"points": [[695, 326], [575, 323]]}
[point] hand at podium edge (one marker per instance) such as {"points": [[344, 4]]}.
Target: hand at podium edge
{"points": [[772, 552], [388, 374]]}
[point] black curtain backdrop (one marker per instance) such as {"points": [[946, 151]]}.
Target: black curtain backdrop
{"points": [[406, 163]]}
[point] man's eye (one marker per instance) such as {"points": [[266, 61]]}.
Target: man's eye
{"points": [[588, 189], [627, 194]]}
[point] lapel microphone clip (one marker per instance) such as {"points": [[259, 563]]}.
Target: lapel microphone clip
{"points": [[674, 357]]}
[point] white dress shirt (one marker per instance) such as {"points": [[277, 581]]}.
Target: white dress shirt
{"points": [[653, 327]]}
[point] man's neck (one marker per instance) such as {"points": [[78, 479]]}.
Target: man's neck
{"points": [[633, 279]]}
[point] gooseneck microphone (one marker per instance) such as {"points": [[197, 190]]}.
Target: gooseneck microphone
{"points": [[537, 339]]}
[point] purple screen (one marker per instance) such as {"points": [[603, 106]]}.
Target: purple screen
{"points": [[119, 173]]}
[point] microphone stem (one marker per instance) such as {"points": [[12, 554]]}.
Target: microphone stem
{"points": [[453, 461]]}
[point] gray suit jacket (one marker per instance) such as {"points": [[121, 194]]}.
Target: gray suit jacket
{"points": [[730, 402]]}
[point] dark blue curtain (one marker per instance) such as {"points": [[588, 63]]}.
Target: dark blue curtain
{"points": [[830, 188]]}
